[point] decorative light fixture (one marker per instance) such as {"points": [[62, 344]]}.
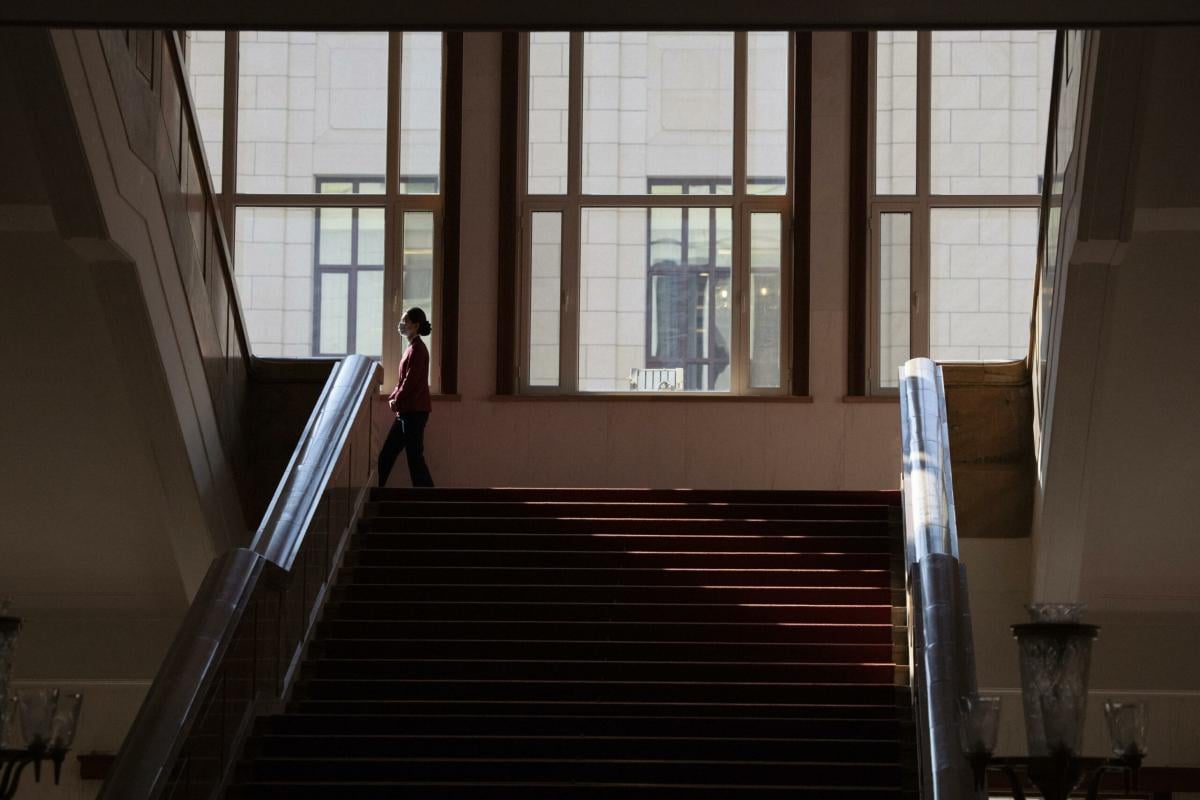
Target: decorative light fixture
{"points": [[1055, 657], [36, 725]]}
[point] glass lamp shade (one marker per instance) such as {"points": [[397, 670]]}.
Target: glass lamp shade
{"points": [[1055, 658], [980, 724], [66, 721], [9, 628], [1126, 727], [36, 708], [10, 738]]}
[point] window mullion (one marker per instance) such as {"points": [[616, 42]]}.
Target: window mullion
{"points": [[740, 277], [568, 374], [393, 242], [919, 274], [229, 122]]}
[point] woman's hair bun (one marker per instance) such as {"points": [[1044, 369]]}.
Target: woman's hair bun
{"points": [[417, 315]]}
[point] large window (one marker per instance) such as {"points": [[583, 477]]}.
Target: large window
{"points": [[959, 135], [656, 252], [329, 168]]}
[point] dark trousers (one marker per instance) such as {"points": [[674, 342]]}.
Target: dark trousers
{"points": [[408, 434]]}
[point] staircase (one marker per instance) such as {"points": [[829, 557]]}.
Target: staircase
{"points": [[604, 643]]}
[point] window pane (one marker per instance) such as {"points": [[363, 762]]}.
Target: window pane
{"points": [[274, 260], [310, 104], [648, 320], [990, 100], [334, 312], [895, 256], [370, 236], [206, 74], [699, 235], [656, 104], [421, 112], [896, 112], [767, 113], [666, 235], [982, 264], [334, 228], [545, 298], [549, 71], [418, 268], [766, 249], [368, 313]]}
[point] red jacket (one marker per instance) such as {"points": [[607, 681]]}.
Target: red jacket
{"points": [[412, 386]]}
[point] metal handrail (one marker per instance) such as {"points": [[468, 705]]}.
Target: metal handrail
{"points": [[249, 591], [278, 538], [941, 649]]}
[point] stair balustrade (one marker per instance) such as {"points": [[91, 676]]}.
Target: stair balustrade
{"points": [[240, 645]]}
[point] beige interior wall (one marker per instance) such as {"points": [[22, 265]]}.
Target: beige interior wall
{"points": [[827, 444], [1144, 656]]}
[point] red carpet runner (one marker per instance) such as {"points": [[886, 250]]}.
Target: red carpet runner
{"points": [[604, 643]]}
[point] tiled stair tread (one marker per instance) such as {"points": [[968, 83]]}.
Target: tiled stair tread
{"points": [[603, 643]]}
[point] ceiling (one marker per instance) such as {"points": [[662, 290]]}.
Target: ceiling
{"points": [[600, 14]]}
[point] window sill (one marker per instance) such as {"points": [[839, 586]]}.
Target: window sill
{"points": [[650, 397], [437, 398], [871, 398]]}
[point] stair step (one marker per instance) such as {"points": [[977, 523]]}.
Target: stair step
{"points": [[622, 509], [756, 692], [625, 746], [386, 670], [503, 611], [884, 498], [576, 708], [578, 724], [638, 525], [599, 650], [759, 632], [623, 771], [863, 541], [596, 643], [549, 790], [823, 570], [600, 559], [824, 595]]}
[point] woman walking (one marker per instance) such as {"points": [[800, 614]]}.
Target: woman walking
{"points": [[410, 400]]}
